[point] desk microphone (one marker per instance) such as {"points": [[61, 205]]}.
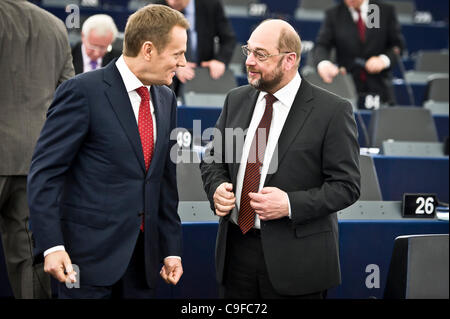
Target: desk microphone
{"points": [[403, 72]]}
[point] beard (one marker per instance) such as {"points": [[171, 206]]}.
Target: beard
{"points": [[270, 82]]}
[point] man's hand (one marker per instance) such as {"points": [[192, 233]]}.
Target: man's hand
{"points": [[172, 270], [327, 71], [224, 200], [270, 203], [216, 68], [58, 265], [187, 72], [375, 65]]}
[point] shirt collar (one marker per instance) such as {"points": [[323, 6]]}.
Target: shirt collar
{"points": [[286, 95], [129, 79], [364, 8]]}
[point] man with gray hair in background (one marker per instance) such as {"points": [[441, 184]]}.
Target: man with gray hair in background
{"points": [[95, 48]]}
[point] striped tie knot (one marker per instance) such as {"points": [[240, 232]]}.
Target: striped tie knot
{"points": [[270, 99]]}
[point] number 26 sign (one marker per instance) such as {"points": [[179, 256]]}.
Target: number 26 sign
{"points": [[419, 205]]}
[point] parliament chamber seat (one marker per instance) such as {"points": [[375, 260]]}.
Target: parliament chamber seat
{"points": [[419, 268]]}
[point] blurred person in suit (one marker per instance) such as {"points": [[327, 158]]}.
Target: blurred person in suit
{"points": [[366, 52], [278, 190], [34, 59], [95, 48], [103, 192], [208, 21]]}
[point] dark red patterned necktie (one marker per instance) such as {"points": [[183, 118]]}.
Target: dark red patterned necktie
{"points": [[361, 26], [362, 36], [252, 177], [145, 124]]}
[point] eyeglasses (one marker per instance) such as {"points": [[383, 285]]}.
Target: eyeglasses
{"points": [[100, 49], [259, 54]]}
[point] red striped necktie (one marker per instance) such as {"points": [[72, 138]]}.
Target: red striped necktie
{"points": [[252, 177]]}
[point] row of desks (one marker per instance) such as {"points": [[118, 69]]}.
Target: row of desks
{"points": [[363, 244]]}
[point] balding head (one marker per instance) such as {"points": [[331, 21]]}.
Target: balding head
{"points": [[273, 55], [280, 35]]}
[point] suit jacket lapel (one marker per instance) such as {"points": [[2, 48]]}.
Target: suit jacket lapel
{"points": [[244, 116], [120, 102], [295, 121]]}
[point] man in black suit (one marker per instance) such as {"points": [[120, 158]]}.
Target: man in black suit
{"points": [[278, 231], [207, 19], [364, 49], [95, 49]]}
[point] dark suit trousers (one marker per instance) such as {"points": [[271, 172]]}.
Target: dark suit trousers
{"points": [[246, 274], [27, 281], [132, 285]]}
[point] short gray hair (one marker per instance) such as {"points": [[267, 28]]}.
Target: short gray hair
{"points": [[101, 23]]}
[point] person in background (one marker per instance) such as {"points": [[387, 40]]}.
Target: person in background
{"points": [[95, 48], [208, 22], [34, 59], [366, 52]]}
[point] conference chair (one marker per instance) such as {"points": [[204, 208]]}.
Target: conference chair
{"points": [[419, 268], [437, 89], [205, 91], [432, 61], [428, 63], [436, 96], [312, 9], [342, 85], [405, 10], [437, 108], [370, 187], [189, 180], [409, 124]]}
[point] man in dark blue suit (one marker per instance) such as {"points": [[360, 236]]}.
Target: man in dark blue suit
{"points": [[102, 186]]}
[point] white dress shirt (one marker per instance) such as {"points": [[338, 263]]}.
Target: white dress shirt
{"points": [[131, 84], [285, 98], [87, 60]]}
